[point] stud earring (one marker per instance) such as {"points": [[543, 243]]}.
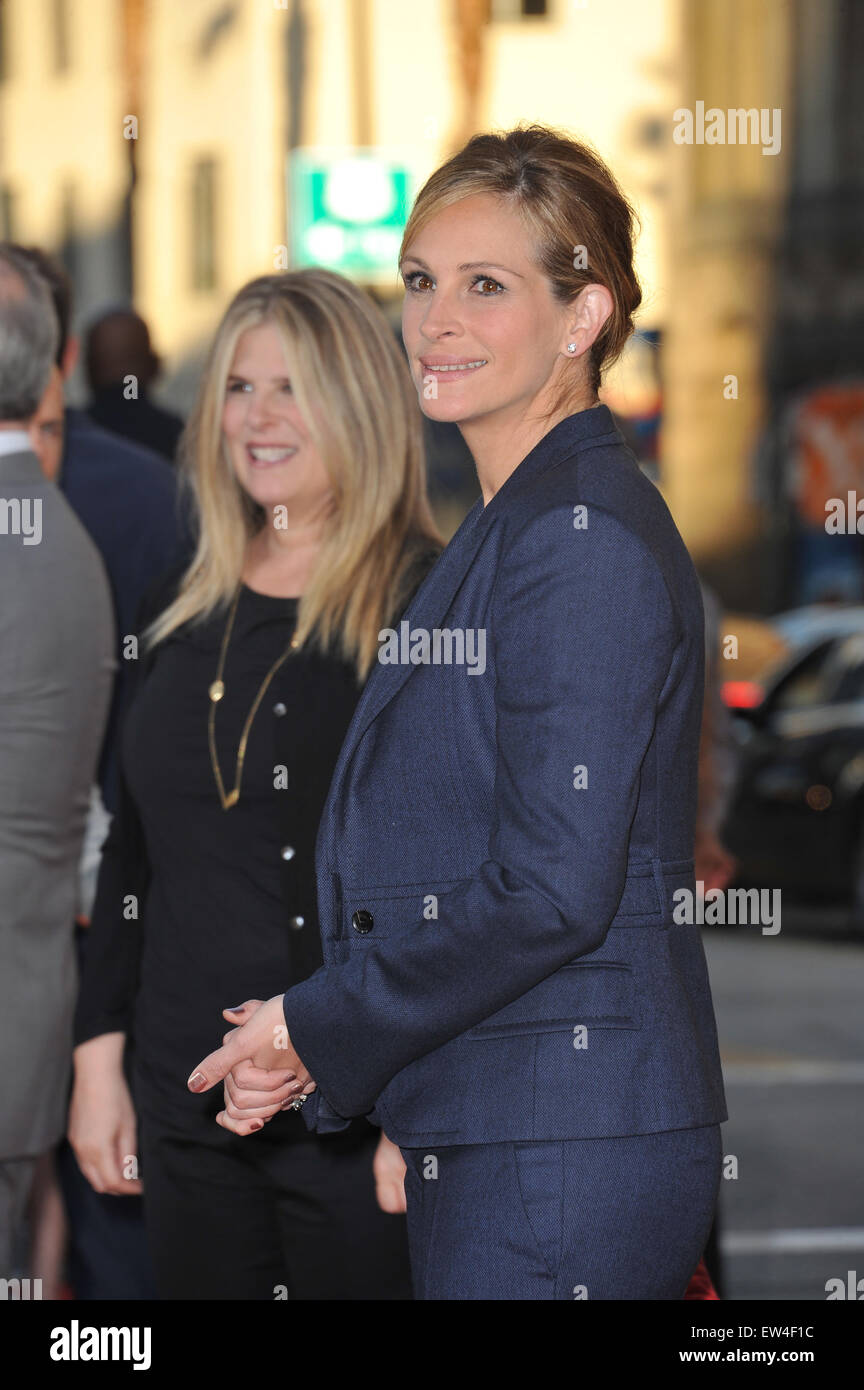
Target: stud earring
{"points": [[571, 347]]}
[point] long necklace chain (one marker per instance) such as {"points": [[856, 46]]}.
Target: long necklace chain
{"points": [[216, 693]]}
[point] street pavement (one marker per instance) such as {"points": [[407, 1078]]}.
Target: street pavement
{"points": [[790, 1015]]}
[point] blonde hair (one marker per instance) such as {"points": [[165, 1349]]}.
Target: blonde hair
{"points": [[569, 199], [359, 406]]}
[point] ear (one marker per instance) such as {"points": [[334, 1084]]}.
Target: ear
{"points": [[70, 355], [587, 315]]}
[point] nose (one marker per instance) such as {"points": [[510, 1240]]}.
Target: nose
{"points": [[441, 317], [261, 410]]}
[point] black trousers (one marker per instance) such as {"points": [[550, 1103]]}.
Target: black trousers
{"points": [[107, 1255], [280, 1214]]}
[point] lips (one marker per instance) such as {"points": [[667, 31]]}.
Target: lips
{"points": [[269, 455], [451, 368]]}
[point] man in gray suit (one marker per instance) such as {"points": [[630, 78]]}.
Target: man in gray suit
{"points": [[56, 667]]}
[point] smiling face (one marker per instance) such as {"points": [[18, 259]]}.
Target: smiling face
{"points": [[484, 334], [273, 456]]}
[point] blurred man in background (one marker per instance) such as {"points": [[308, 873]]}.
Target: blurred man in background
{"points": [[56, 669], [121, 367], [126, 497]]}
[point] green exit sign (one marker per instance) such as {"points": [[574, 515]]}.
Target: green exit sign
{"points": [[348, 210]]}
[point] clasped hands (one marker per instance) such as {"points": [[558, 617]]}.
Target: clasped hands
{"points": [[263, 1074], [261, 1071]]}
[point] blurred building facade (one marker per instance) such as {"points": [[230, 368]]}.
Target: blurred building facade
{"points": [[148, 143], [221, 92], [725, 214], [64, 165], [763, 339], [813, 448]]}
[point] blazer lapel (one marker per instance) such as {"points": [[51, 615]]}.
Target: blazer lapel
{"points": [[433, 598], [430, 604], [425, 611]]}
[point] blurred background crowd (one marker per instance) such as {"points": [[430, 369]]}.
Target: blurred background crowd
{"points": [[154, 157]]}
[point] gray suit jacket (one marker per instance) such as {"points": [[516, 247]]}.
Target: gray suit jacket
{"points": [[56, 670]]}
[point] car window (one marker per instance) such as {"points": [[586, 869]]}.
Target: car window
{"points": [[831, 674], [850, 676], [805, 684]]}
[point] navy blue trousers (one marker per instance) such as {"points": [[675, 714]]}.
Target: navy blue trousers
{"points": [[623, 1218], [107, 1246]]}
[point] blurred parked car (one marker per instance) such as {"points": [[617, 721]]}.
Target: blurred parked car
{"points": [[796, 821]]}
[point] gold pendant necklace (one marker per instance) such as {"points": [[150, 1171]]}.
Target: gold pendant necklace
{"points": [[216, 692]]}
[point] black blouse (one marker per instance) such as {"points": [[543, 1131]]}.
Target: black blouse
{"points": [[198, 908]]}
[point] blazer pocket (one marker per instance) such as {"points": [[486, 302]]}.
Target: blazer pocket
{"points": [[600, 995]]}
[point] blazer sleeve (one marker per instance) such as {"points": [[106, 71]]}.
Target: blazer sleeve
{"points": [[584, 635], [112, 946]]}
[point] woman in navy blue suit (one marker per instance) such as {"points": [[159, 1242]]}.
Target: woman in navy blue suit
{"points": [[514, 986]]}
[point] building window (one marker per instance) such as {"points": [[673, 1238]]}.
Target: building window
{"points": [[8, 214], [59, 20], [519, 9], [203, 225]]}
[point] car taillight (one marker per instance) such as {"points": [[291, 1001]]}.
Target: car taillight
{"points": [[743, 694]]}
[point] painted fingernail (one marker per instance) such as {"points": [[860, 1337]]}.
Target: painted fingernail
{"points": [[237, 1009], [256, 1124], [197, 1081]]}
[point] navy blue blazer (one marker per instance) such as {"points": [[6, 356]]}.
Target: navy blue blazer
{"points": [[499, 849], [127, 499]]}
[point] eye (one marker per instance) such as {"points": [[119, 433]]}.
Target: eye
{"points": [[485, 280], [235, 386], [412, 281]]}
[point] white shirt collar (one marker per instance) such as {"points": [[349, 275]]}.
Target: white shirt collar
{"points": [[15, 442]]}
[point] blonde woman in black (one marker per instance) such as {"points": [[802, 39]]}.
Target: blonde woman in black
{"points": [[305, 459]]}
